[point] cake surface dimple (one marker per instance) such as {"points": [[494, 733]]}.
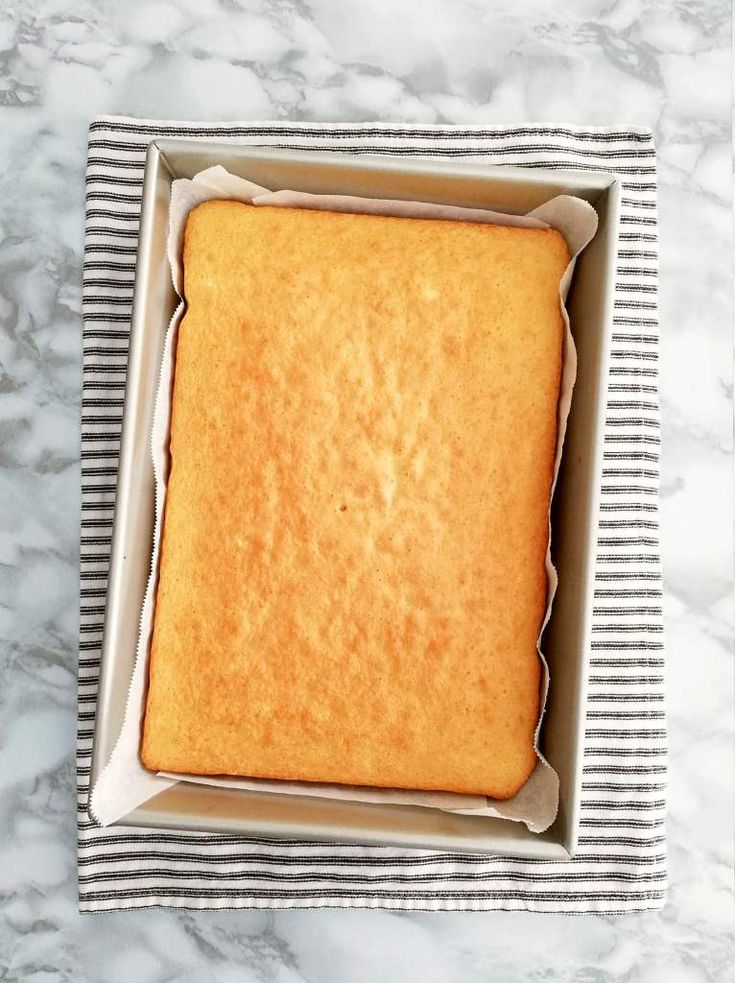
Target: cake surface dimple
{"points": [[352, 582]]}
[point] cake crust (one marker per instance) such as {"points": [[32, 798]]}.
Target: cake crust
{"points": [[351, 580]]}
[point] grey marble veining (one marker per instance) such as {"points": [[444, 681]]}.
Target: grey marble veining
{"points": [[664, 63]]}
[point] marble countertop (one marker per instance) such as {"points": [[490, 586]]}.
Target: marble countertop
{"points": [[660, 63]]}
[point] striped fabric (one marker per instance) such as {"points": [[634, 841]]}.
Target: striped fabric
{"points": [[621, 864]]}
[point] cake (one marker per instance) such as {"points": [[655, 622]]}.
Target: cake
{"points": [[352, 582]]}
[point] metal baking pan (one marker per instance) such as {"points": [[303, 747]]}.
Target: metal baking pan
{"points": [[567, 638]]}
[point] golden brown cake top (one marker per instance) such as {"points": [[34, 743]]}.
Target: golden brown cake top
{"points": [[363, 431]]}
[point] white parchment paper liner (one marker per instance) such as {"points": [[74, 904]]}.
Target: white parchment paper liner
{"points": [[124, 783]]}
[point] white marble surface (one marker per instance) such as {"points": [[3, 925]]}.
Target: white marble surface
{"points": [[665, 64]]}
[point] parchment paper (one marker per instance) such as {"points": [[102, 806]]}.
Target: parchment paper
{"points": [[125, 783]]}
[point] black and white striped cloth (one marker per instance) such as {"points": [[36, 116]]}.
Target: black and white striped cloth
{"points": [[621, 864]]}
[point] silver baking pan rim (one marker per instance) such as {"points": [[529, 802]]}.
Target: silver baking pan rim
{"points": [[567, 640]]}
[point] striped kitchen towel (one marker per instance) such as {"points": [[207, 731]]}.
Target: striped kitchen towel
{"points": [[621, 864]]}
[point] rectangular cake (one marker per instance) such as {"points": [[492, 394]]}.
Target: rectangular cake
{"points": [[363, 431]]}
